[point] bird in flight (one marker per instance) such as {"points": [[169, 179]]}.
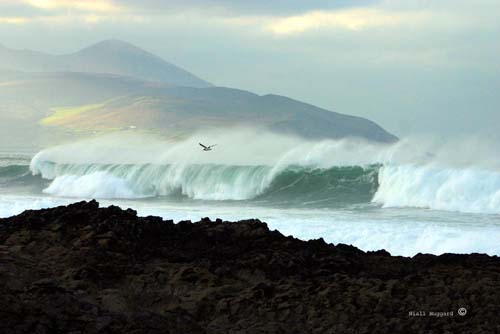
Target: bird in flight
{"points": [[207, 148]]}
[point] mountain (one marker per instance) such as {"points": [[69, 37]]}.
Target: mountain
{"points": [[81, 103], [110, 56], [113, 85]]}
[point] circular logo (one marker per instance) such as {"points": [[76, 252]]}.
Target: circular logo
{"points": [[462, 311]]}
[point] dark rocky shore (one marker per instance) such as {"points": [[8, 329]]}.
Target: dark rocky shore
{"points": [[82, 269]]}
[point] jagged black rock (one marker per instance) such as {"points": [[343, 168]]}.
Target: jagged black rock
{"points": [[85, 269]]}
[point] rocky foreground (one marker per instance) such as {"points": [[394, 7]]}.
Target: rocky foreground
{"points": [[85, 269]]}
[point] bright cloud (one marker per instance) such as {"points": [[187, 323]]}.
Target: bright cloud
{"points": [[13, 20], [353, 19], [65, 12], [83, 5]]}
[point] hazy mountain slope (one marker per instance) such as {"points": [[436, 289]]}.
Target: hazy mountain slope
{"points": [[27, 98], [110, 56], [26, 60], [96, 102]]}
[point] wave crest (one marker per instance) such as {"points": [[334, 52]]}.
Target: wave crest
{"points": [[468, 190], [210, 182], [272, 170]]}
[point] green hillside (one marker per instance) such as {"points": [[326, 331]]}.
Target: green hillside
{"points": [[85, 104]]}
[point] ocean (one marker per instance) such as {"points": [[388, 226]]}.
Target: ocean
{"points": [[372, 196]]}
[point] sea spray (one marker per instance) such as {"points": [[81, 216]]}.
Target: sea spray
{"points": [[270, 168], [297, 184], [93, 185], [466, 189]]}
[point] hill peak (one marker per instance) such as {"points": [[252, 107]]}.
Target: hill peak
{"points": [[111, 56], [111, 44], [120, 57]]}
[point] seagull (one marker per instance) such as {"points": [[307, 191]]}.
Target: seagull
{"points": [[207, 148]]}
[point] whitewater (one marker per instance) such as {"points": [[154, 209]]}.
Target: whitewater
{"points": [[403, 197]]}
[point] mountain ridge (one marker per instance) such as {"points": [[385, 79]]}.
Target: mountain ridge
{"points": [[88, 92], [126, 102], [109, 56]]}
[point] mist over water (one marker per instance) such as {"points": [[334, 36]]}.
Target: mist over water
{"points": [[250, 164], [412, 196]]}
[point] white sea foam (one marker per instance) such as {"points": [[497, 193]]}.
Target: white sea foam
{"points": [[245, 163], [400, 231], [241, 167], [403, 232], [11, 205], [441, 188], [93, 185]]}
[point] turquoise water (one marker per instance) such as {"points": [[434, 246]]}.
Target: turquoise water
{"points": [[404, 209]]}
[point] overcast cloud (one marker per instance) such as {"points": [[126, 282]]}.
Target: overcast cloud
{"points": [[412, 66]]}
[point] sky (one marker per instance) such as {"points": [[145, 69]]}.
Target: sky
{"points": [[416, 67]]}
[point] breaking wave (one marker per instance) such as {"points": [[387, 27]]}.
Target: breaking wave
{"points": [[469, 190], [270, 170], [210, 181], [422, 186]]}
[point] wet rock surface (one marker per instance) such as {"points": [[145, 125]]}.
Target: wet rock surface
{"points": [[85, 269]]}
